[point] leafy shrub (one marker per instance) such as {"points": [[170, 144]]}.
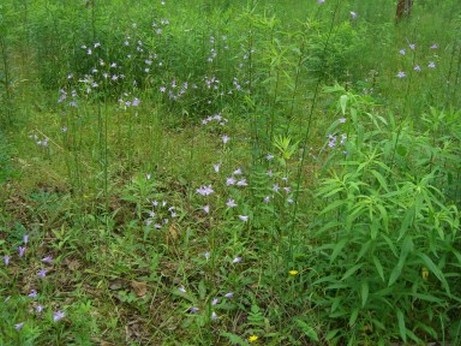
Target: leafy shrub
{"points": [[387, 235]]}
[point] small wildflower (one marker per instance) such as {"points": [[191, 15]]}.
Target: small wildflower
{"points": [[253, 338], [434, 46], [267, 199], [229, 295], [216, 167], [32, 294], [332, 141], [207, 255], [215, 301], [293, 272], [42, 273], [21, 251], [237, 260], [354, 15], [39, 308], [276, 188], [25, 239], [19, 326], [269, 173], [47, 259], [58, 315], [206, 209], [269, 157], [412, 46], [238, 171], [182, 289], [214, 316], [6, 260], [401, 74], [225, 139], [417, 68], [431, 64], [244, 218], [136, 102], [230, 181], [320, 2], [231, 203], [205, 190], [193, 310], [402, 51], [242, 182]]}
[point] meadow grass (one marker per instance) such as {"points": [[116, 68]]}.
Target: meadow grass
{"points": [[229, 173]]}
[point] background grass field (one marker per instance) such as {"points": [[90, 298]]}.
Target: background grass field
{"points": [[219, 172]]}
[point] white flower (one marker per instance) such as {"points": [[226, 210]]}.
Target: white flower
{"points": [[214, 316], [225, 139], [231, 203], [237, 260]]}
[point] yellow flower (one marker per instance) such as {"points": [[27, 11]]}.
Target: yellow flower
{"points": [[293, 272], [253, 338], [424, 273]]}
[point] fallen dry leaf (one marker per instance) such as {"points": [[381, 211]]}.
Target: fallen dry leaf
{"points": [[139, 287]]}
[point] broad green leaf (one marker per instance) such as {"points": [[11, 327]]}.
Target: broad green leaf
{"points": [[364, 292], [332, 333], [407, 247], [343, 102], [427, 298], [352, 271], [395, 274], [434, 270], [337, 302], [407, 220], [307, 330], [333, 206], [374, 230], [380, 179], [337, 249], [402, 327], [329, 278], [364, 249], [379, 267], [353, 318], [235, 339], [338, 285], [384, 216], [389, 243]]}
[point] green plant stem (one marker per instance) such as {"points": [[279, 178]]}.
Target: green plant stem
{"points": [[305, 140]]}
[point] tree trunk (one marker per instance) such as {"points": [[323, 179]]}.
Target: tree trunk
{"points": [[403, 9]]}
